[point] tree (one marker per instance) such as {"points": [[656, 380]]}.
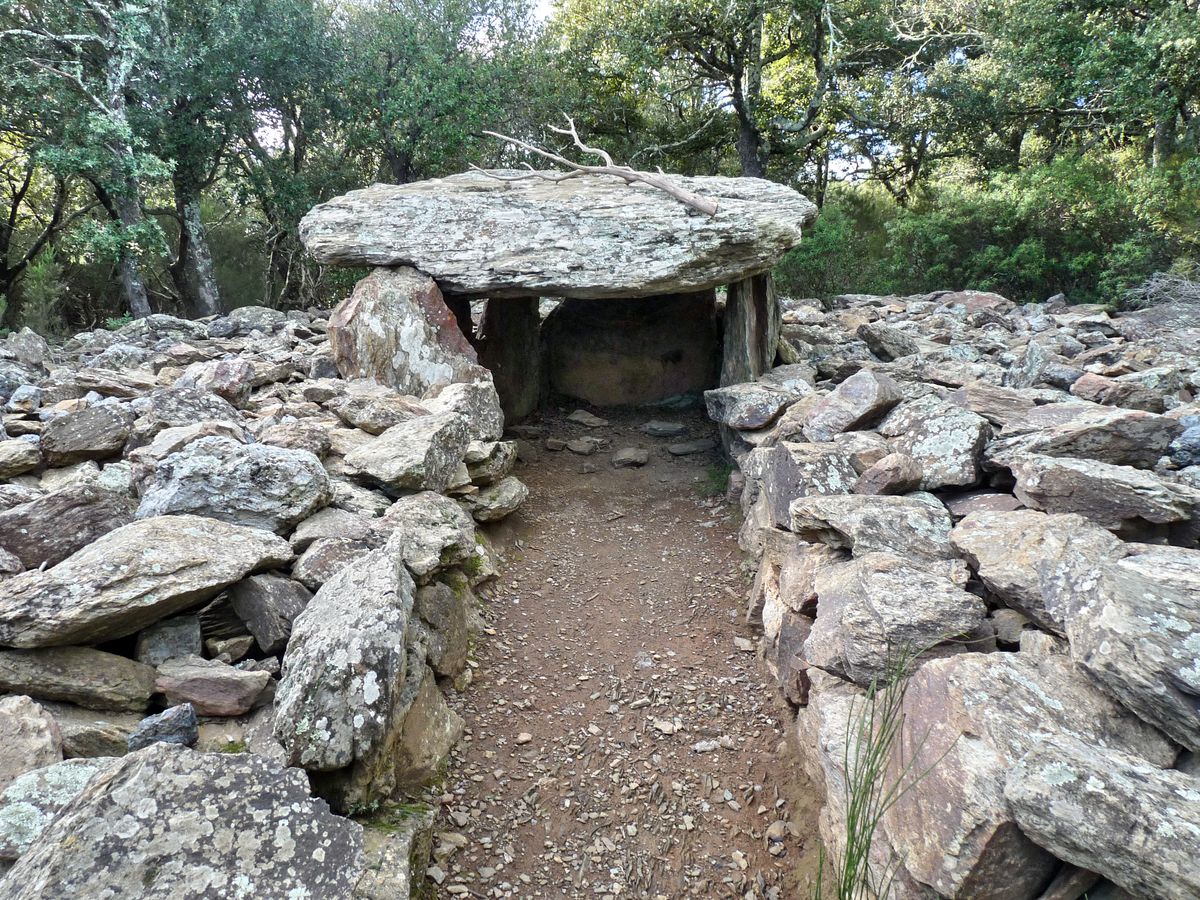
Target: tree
{"points": [[88, 56]]}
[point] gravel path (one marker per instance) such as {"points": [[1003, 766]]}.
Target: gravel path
{"points": [[622, 740]]}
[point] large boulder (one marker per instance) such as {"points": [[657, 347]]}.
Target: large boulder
{"points": [[632, 352], [945, 440], [396, 329], [80, 675], [1111, 496], [167, 822], [245, 484], [1113, 813], [968, 721], [269, 604], [916, 526], [857, 402], [1025, 557], [213, 688], [1119, 436], [132, 577], [96, 432], [49, 528], [1134, 626], [789, 471], [32, 800], [876, 609], [588, 237], [421, 454]]}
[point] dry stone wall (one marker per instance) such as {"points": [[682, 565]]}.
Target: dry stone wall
{"points": [[1012, 493], [206, 530]]}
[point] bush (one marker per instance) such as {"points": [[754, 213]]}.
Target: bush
{"points": [[43, 288]]}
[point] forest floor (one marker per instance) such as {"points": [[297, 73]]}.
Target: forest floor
{"points": [[623, 739]]}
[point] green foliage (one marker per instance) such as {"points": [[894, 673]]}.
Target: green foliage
{"points": [[116, 323], [716, 480], [43, 290]]}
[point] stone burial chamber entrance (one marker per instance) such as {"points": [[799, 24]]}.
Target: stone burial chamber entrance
{"points": [[637, 273]]}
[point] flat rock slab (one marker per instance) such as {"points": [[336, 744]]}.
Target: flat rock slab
{"points": [[170, 822], [591, 237]]}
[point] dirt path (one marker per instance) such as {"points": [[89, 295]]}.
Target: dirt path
{"points": [[620, 741]]}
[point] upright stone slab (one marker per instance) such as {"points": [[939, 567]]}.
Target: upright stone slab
{"points": [[512, 350], [752, 322]]}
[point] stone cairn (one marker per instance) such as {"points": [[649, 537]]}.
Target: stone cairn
{"points": [[261, 528], [1013, 492]]}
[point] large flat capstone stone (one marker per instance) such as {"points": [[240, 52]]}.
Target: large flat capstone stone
{"points": [[590, 237]]}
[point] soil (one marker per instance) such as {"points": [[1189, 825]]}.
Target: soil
{"points": [[623, 737]]}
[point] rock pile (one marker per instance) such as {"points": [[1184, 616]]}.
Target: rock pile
{"points": [[1012, 495], [205, 519]]}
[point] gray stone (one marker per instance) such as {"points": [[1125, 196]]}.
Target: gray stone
{"points": [[896, 473], [660, 428], [691, 448], [176, 408], [48, 529], [751, 405], [858, 402], [329, 523], [32, 800], [269, 604], [968, 719], [18, 457], [325, 557], [630, 458], [177, 725], [1135, 628], [1111, 496], [1118, 436], [213, 688], [498, 500], [1184, 450], [172, 440], [475, 402], [230, 379], [444, 611], [489, 461], [29, 738], [397, 855], [792, 470], [428, 532], [167, 822], [81, 675], [397, 330], [244, 484], [88, 733], [1026, 557], [421, 454], [97, 432], [482, 237], [132, 577], [947, 442], [916, 526], [1113, 813], [169, 639], [877, 609]]}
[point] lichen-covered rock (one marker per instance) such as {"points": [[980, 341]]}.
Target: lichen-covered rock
{"points": [[396, 856], [132, 577], [1111, 496], [443, 609], [1025, 557], [792, 470], [51, 527], [29, 738], [230, 379], [420, 454], [345, 666], [397, 330], [875, 609], [1118, 436], [475, 402], [88, 733], [857, 402], [177, 408], [916, 526], [946, 441], [31, 801], [1134, 626], [896, 473], [82, 675], [1135, 823], [497, 501], [244, 484], [750, 405], [968, 720], [97, 432], [325, 557], [167, 822], [428, 532], [171, 638], [482, 237], [489, 461]]}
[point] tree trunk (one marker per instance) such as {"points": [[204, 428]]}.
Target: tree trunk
{"points": [[194, 275], [133, 285], [750, 148]]}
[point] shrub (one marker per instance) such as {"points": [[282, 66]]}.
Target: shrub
{"points": [[43, 288]]}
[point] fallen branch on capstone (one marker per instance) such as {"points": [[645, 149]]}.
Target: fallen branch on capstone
{"points": [[626, 173]]}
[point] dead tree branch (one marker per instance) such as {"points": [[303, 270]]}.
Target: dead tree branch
{"points": [[627, 174]]}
